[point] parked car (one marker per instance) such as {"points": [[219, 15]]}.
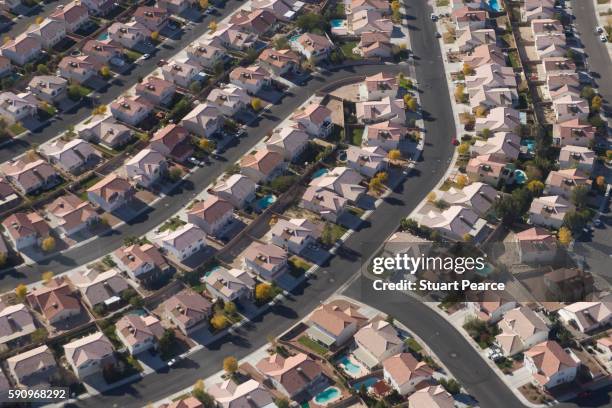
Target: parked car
{"points": [[433, 17], [146, 56], [599, 30], [603, 38], [438, 35]]}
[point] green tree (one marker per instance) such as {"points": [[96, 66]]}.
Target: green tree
{"points": [[42, 69], [535, 187], [74, 92], [327, 235], [579, 196], [230, 365], [263, 292], [229, 308], [48, 244], [21, 291], [596, 103]]}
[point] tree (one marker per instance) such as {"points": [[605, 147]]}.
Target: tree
{"points": [[203, 4], [105, 71], [99, 110], [564, 236], [74, 92], [312, 22], [576, 220], [463, 148], [39, 19], [535, 187], [212, 26], [394, 154], [31, 155], [596, 103], [155, 35], [459, 93], [206, 145], [3, 258], [282, 403], [485, 133], [376, 184], [229, 308], [395, 9], [327, 235], [467, 237], [451, 386], [467, 70], [407, 99], [263, 292], [42, 69], [410, 225], [219, 321], [579, 196], [412, 105], [600, 182], [480, 111], [21, 291], [175, 174], [461, 180], [230, 365], [256, 104], [47, 276], [431, 196], [48, 244], [587, 93]]}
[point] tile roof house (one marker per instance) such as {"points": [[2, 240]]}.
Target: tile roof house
{"points": [[279, 61], [111, 192], [478, 196], [146, 167], [49, 88], [492, 306], [212, 214], [491, 76], [454, 223], [33, 368], [467, 16], [234, 37], [562, 84], [327, 203], [71, 156], [176, 6], [183, 242], [404, 372], [374, 45], [252, 78], [156, 90], [131, 110], [262, 166], [537, 9], [558, 66], [74, 15], [180, 73], [376, 342], [536, 245], [490, 170], [101, 52], [343, 181], [106, 131], [230, 99], [551, 365], [294, 234], [521, 329], [550, 45], [98, 7], [334, 324], [501, 119], [378, 86], [55, 300], [367, 160], [153, 18], [238, 189], [258, 22], [588, 316], [434, 396], [470, 38], [365, 21], [282, 10], [578, 157], [313, 46], [139, 333], [128, 34], [141, 261], [22, 49], [386, 134], [172, 141], [207, 53], [229, 285], [189, 402], [354, 6], [90, 354], [573, 132], [250, 393], [78, 69], [570, 107], [25, 229], [502, 145], [288, 141], [71, 214], [562, 182], [315, 119], [5, 66], [268, 261], [187, 310], [15, 108], [203, 120], [8, 195], [491, 98], [49, 32], [100, 288], [483, 55], [549, 211], [387, 109], [15, 323], [30, 176], [292, 375]]}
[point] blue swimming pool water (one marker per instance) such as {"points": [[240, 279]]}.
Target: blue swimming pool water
{"points": [[349, 366], [520, 177], [336, 23], [368, 382], [103, 36], [495, 6], [319, 173], [327, 395], [294, 38], [529, 144], [264, 202]]}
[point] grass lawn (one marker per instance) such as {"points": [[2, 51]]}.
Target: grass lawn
{"points": [[442, 3], [172, 224], [82, 90], [347, 50], [357, 212], [298, 266], [356, 136], [17, 129], [313, 345], [132, 55]]}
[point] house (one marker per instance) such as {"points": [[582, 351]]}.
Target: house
{"points": [[8, 195], [467, 16], [100, 288], [49, 32], [578, 157], [212, 214], [403, 372], [90, 354], [570, 107], [176, 6], [15, 323], [141, 261], [8, 5], [562, 84], [491, 306], [128, 34], [551, 365], [288, 141], [268, 261], [386, 134], [562, 182], [470, 38], [569, 284], [106, 131], [501, 146], [207, 54], [500, 119], [374, 45], [546, 26], [587, 316], [229, 394], [204, 120], [489, 170], [146, 167], [558, 66], [30, 176], [153, 18], [327, 203], [334, 324], [252, 78], [536, 246], [49, 88], [22, 49], [478, 196], [33, 368], [156, 90], [187, 310], [378, 86], [454, 223], [292, 375], [434, 396], [229, 284], [365, 21], [25, 229], [491, 98], [315, 119], [55, 301], [354, 6], [262, 166], [139, 333], [131, 110], [5, 66], [343, 181], [101, 52], [376, 342], [491, 76], [237, 189], [71, 156], [521, 329], [71, 214], [234, 37], [281, 9], [550, 45], [483, 55], [98, 7], [183, 242], [73, 15], [367, 160], [549, 211], [387, 109], [537, 10], [15, 108], [313, 46], [573, 132], [294, 234], [172, 141], [259, 22], [279, 62], [180, 73], [78, 69], [111, 192], [230, 99]]}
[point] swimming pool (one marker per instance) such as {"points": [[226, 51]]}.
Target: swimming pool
{"points": [[337, 23], [264, 202], [327, 395], [103, 36], [520, 177], [529, 144], [319, 173], [294, 38], [367, 383], [495, 5], [350, 367]]}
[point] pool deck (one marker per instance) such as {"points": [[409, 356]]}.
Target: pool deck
{"points": [[362, 370]]}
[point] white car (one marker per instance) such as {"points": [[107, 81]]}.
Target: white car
{"points": [[603, 38], [433, 17], [599, 30]]}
